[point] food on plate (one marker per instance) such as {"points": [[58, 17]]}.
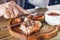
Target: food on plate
{"points": [[28, 28], [38, 16], [17, 20], [52, 17], [48, 31], [27, 25]]}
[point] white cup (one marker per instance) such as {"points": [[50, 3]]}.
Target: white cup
{"points": [[52, 20]]}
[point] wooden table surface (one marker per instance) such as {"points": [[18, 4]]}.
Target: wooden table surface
{"points": [[4, 32], [5, 35]]}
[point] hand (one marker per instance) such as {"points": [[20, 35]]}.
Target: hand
{"points": [[11, 10]]}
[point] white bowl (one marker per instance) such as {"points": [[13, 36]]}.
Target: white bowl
{"points": [[52, 20]]}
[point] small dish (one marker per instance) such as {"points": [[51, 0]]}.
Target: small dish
{"points": [[52, 17]]}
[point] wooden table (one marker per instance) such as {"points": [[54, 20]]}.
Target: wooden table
{"points": [[5, 35], [4, 32]]}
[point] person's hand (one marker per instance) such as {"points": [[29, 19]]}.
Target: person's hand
{"points": [[10, 10]]}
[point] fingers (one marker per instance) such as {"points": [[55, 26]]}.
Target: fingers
{"points": [[21, 10], [6, 14], [12, 14], [11, 11], [15, 10]]}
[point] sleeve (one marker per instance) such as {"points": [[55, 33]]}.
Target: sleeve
{"points": [[39, 3]]}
